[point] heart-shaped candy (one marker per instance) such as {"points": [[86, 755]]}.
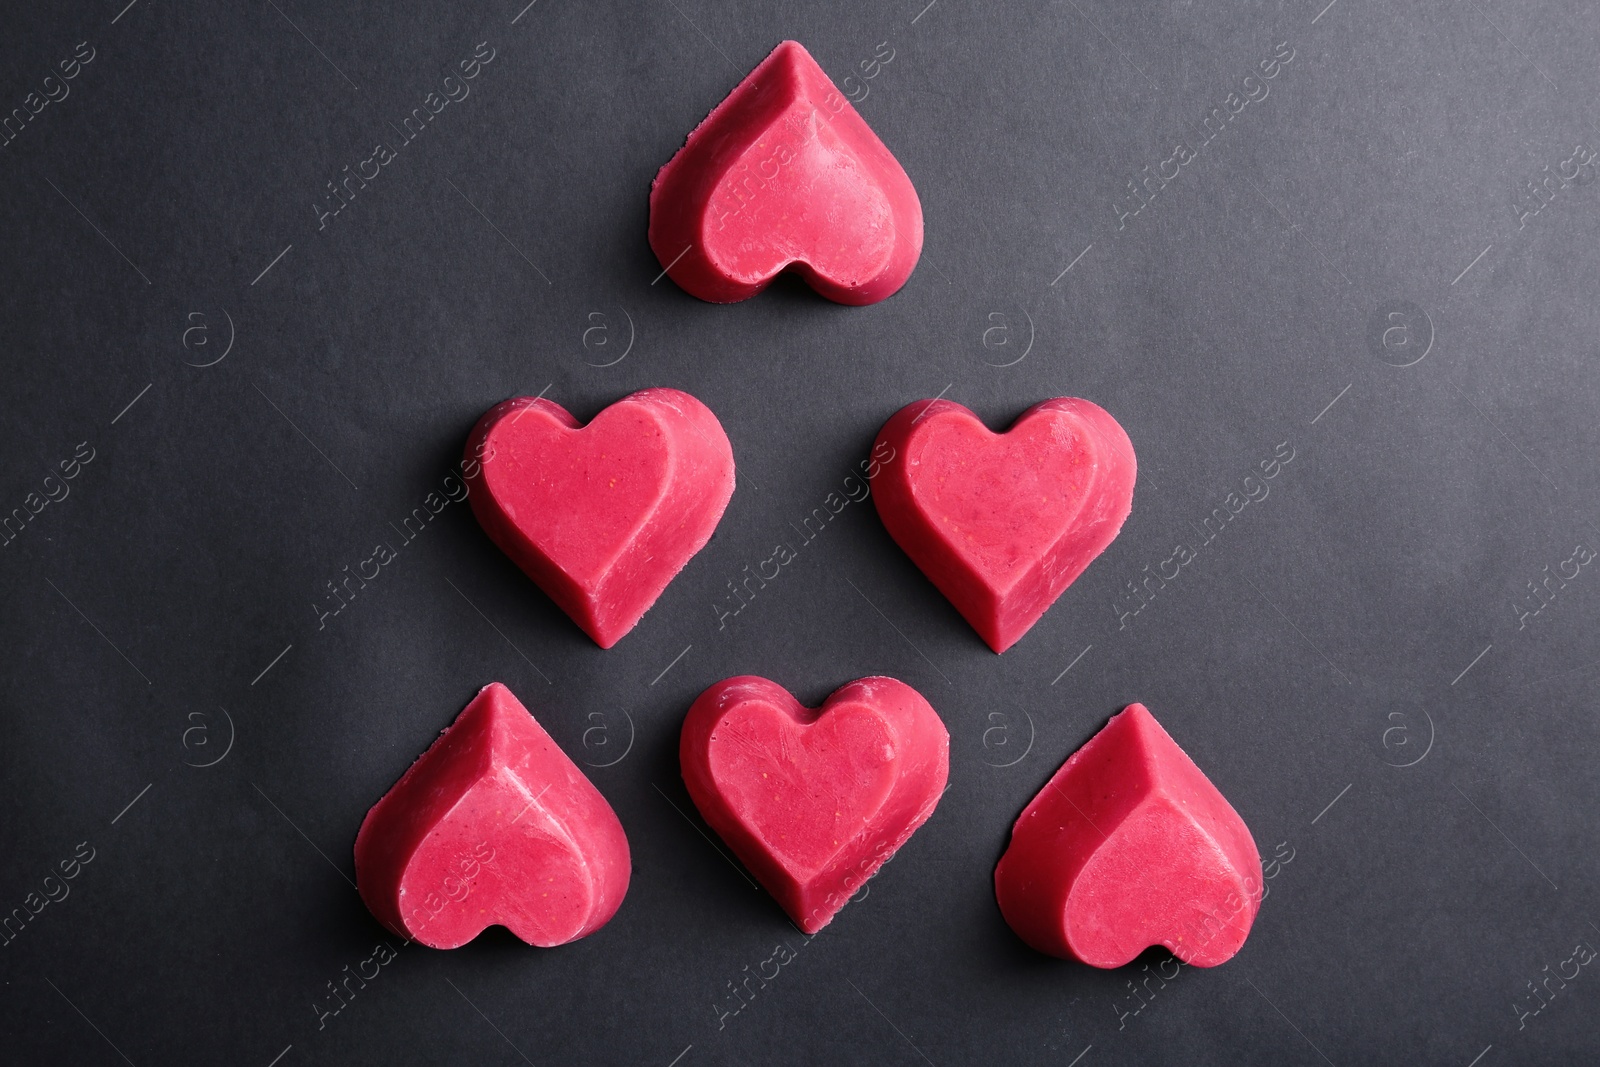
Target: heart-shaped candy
{"points": [[814, 801], [1003, 523], [784, 174], [493, 824], [603, 516], [1129, 845]]}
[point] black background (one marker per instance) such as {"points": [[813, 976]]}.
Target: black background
{"points": [[1308, 653]]}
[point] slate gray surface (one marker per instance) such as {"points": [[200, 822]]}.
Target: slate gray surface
{"points": [[1357, 269]]}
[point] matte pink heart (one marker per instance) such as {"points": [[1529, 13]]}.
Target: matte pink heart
{"points": [[602, 517], [814, 801], [785, 175], [1003, 523], [493, 824]]}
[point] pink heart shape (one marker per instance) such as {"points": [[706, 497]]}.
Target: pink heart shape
{"points": [[492, 824], [602, 517], [784, 174], [1003, 523], [1130, 845], [814, 801]]}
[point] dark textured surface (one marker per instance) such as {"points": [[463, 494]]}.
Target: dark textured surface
{"points": [[1303, 656]]}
